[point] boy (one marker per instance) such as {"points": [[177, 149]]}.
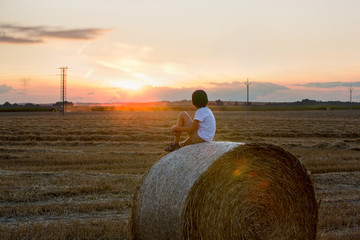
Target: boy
{"points": [[201, 129]]}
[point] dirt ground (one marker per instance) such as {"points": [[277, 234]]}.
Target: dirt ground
{"points": [[75, 177]]}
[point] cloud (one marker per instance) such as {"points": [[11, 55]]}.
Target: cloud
{"points": [[114, 66], [7, 39], [174, 69], [81, 34], [259, 90], [10, 33], [330, 84], [235, 91], [150, 93], [5, 88]]}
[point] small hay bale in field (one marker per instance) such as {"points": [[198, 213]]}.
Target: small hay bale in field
{"points": [[225, 190]]}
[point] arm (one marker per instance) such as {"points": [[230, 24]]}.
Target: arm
{"points": [[193, 127]]}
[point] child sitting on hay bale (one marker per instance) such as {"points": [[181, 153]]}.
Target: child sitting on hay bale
{"points": [[201, 129]]}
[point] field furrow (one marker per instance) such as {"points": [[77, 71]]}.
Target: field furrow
{"points": [[75, 177]]}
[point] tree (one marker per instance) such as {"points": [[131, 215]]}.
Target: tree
{"points": [[219, 102], [7, 104]]}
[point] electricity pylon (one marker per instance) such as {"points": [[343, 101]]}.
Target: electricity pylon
{"points": [[247, 83], [63, 79]]}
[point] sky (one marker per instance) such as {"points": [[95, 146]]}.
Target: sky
{"points": [[158, 50]]}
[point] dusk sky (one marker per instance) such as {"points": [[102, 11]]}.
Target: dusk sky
{"points": [[154, 50]]}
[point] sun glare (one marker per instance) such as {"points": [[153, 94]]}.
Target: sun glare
{"points": [[128, 85]]}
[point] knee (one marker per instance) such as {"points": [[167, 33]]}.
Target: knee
{"points": [[183, 114]]}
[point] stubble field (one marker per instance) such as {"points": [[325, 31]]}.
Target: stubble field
{"points": [[74, 177]]}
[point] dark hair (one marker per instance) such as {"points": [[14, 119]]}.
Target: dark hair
{"points": [[199, 98]]}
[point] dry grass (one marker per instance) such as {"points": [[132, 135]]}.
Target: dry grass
{"points": [[74, 177], [67, 229]]}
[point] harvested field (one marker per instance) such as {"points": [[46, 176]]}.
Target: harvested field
{"points": [[74, 177]]}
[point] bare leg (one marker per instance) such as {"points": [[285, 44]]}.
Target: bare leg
{"points": [[184, 120]]}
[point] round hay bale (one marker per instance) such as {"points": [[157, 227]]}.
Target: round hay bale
{"points": [[225, 190]]}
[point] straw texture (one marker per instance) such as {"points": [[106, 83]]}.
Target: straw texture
{"points": [[224, 190]]}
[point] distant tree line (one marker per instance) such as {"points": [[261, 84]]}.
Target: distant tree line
{"points": [[308, 102], [15, 105], [31, 107], [59, 104]]}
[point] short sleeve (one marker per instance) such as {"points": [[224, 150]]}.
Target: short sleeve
{"points": [[199, 115]]}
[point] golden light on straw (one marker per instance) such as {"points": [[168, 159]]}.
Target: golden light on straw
{"points": [[240, 167]]}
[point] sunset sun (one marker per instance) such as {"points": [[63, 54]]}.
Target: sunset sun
{"points": [[132, 85]]}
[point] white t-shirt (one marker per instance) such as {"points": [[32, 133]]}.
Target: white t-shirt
{"points": [[207, 124]]}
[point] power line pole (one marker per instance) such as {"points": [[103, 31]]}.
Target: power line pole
{"points": [[63, 82], [350, 90], [247, 83]]}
